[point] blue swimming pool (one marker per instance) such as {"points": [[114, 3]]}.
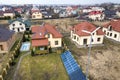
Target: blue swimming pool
{"points": [[25, 46]]}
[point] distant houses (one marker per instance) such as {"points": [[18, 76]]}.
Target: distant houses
{"points": [[7, 39], [96, 15], [112, 30], [81, 38], [19, 25], [45, 37]]}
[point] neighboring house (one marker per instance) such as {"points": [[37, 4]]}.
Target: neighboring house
{"points": [[110, 13], [47, 15], [19, 10], [9, 13], [19, 25], [7, 39], [62, 14], [45, 37], [96, 15], [118, 13], [112, 30], [81, 38], [1, 14], [36, 15]]}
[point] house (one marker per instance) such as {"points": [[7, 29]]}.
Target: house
{"points": [[118, 13], [96, 15], [9, 13], [36, 15], [19, 10], [45, 37], [1, 14], [47, 15], [112, 30], [81, 38], [7, 39], [19, 25], [63, 14]]}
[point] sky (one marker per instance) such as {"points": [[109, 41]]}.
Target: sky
{"points": [[82, 2]]}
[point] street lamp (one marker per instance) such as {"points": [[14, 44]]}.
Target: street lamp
{"points": [[88, 64]]}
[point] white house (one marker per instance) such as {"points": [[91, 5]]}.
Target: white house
{"points": [[118, 13], [9, 13], [81, 38], [112, 30], [96, 15], [19, 25], [36, 15]]}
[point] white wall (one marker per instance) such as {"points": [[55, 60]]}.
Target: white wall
{"points": [[17, 26], [37, 15], [79, 39], [9, 14], [94, 17], [52, 41], [113, 33]]}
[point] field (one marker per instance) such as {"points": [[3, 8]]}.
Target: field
{"points": [[42, 67]]}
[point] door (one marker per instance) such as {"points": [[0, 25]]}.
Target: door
{"points": [[84, 41], [1, 47]]}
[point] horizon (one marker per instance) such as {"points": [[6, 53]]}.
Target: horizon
{"points": [[58, 2]]}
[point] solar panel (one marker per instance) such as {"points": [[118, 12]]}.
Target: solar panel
{"points": [[71, 66]]}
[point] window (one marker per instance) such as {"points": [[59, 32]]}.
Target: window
{"points": [[110, 28], [105, 31], [74, 37], [1, 47], [92, 40], [20, 23], [49, 43], [84, 41], [77, 38], [56, 42], [13, 24], [110, 34], [115, 35], [98, 39], [48, 35], [22, 28], [13, 28]]}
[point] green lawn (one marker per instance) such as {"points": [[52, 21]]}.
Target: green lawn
{"points": [[42, 67]]}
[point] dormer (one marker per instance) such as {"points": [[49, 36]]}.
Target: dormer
{"points": [[110, 28]]}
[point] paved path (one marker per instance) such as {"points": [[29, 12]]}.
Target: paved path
{"points": [[18, 65]]}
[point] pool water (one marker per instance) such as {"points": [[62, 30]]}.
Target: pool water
{"points": [[25, 46]]}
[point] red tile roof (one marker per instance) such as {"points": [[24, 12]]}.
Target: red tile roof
{"points": [[115, 25], [39, 32], [42, 30], [40, 42], [85, 26], [95, 12]]}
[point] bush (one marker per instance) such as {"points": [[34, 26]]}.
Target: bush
{"points": [[32, 53]]}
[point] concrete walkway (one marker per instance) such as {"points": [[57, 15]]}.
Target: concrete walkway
{"points": [[18, 65]]}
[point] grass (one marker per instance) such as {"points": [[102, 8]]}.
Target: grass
{"points": [[43, 67]]}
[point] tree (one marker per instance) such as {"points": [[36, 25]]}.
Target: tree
{"points": [[32, 52]]}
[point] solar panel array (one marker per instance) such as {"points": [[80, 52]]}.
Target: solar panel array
{"points": [[72, 68]]}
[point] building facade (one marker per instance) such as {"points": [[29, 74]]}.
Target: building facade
{"points": [[81, 38], [112, 30]]}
